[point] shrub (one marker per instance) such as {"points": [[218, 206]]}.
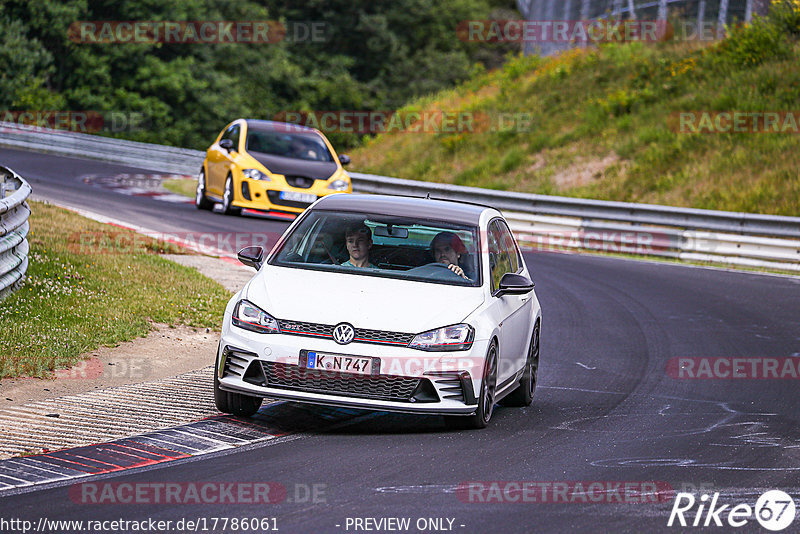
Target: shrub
{"points": [[765, 38]]}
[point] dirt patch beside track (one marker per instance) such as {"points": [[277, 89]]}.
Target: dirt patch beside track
{"points": [[165, 352]]}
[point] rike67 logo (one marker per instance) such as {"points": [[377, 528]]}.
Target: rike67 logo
{"points": [[774, 510]]}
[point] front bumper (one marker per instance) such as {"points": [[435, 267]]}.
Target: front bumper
{"points": [[412, 381], [265, 195]]}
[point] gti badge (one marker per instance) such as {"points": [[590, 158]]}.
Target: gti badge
{"points": [[343, 333]]}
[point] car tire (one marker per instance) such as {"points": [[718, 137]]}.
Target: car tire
{"points": [[523, 395], [483, 414], [227, 198], [202, 202], [243, 405], [235, 403], [220, 397]]}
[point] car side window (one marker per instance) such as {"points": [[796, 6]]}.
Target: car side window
{"points": [[508, 246], [232, 133], [499, 260]]}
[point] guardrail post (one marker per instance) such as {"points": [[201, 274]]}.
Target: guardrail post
{"points": [[549, 16], [723, 18], [631, 10], [701, 15], [662, 10], [584, 18], [585, 9]]}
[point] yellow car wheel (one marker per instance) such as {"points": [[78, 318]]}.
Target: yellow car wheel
{"points": [[202, 202], [227, 198]]}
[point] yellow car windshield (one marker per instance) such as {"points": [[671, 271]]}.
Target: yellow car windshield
{"points": [[305, 146]]}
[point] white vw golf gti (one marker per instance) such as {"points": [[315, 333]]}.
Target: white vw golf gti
{"points": [[385, 303]]}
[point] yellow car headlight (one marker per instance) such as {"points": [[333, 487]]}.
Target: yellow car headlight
{"points": [[255, 174], [339, 185]]}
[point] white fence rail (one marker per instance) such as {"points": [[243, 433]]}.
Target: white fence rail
{"points": [[14, 212], [540, 221]]}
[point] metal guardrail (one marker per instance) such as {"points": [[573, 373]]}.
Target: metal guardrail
{"points": [[710, 14], [633, 213], [143, 155], [538, 232], [14, 212], [540, 221]]}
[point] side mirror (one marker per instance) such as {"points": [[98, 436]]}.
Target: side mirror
{"points": [[514, 284], [252, 257], [227, 144], [344, 159]]}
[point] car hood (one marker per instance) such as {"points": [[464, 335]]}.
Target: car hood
{"points": [[318, 170], [364, 301]]}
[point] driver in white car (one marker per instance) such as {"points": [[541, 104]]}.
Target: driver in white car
{"points": [[448, 249]]}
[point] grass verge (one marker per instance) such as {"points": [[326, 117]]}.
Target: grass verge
{"points": [[181, 186], [91, 284]]}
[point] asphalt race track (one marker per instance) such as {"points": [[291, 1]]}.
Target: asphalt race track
{"points": [[610, 408]]}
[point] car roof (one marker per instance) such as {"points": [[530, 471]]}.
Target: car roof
{"points": [[402, 206], [275, 125]]}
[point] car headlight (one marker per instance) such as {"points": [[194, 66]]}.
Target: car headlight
{"points": [[449, 338], [250, 317], [255, 174], [338, 185]]}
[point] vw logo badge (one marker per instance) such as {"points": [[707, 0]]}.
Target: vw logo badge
{"points": [[343, 333]]}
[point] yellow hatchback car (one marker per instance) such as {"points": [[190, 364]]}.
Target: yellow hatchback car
{"points": [[274, 167]]}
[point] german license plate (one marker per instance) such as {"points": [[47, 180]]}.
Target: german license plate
{"points": [[338, 363], [294, 196]]}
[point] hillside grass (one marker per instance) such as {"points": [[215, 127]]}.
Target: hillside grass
{"points": [[90, 284], [603, 124]]}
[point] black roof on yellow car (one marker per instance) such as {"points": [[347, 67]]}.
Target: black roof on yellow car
{"points": [[401, 206], [275, 125]]}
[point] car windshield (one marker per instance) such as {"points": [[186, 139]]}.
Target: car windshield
{"points": [[309, 147], [381, 245]]}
